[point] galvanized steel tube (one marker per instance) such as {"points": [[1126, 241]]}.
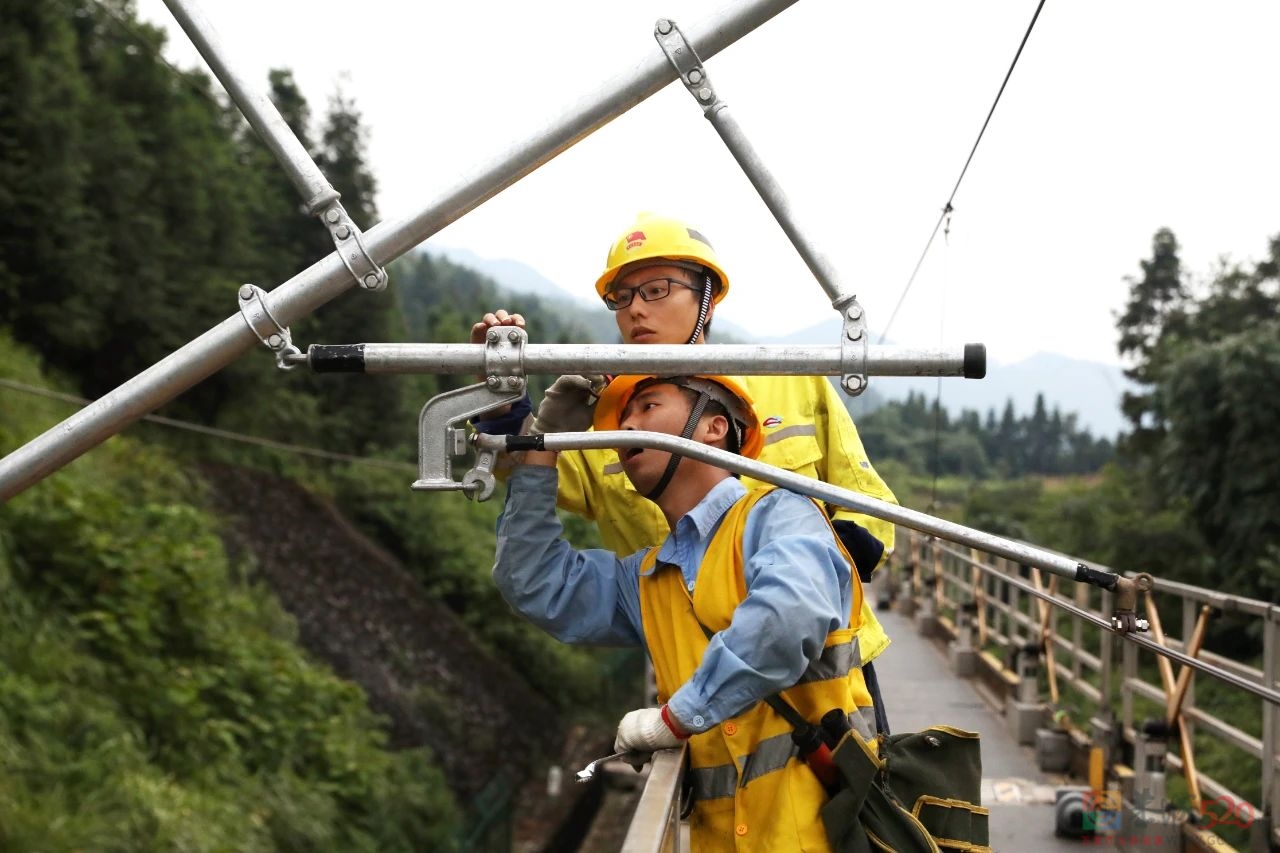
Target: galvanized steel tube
{"points": [[328, 277], [553, 359], [257, 108]]}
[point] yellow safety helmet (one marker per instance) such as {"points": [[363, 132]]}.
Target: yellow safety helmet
{"points": [[652, 238], [725, 390]]}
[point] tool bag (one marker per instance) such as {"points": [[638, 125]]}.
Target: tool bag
{"points": [[917, 792]]}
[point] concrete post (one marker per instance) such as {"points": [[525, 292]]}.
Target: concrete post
{"points": [[927, 615], [964, 657], [906, 593], [1026, 712]]}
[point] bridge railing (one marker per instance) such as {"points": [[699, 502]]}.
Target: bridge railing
{"points": [[1032, 646], [655, 825], [1035, 646]]}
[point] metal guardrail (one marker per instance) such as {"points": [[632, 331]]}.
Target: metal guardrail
{"points": [[1020, 629], [655, 826], [988, 602]]}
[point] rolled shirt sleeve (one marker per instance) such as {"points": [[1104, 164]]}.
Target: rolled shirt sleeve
{"points": [[577, 596]]}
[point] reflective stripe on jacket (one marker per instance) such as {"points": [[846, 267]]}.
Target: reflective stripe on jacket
{"points": [[752, 793], [807, 431]]}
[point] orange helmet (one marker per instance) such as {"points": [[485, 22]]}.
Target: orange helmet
{"points": [[725, 390], [656, 238]]}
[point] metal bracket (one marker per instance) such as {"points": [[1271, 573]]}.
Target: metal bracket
{"points": [[349, 241], [275, 337], [853, 347], [504, 358], [439, 440], [1125, 619], [687, 63]]}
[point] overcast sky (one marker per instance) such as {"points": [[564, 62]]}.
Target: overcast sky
{"points": [[1122, 116]]}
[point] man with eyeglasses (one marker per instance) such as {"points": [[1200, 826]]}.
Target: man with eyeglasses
{"points": [[662, 280]]}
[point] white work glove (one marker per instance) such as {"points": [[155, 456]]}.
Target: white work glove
{"points": [[641, 732], [569, 404]]}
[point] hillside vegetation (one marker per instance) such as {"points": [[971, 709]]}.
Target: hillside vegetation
{"points": [[215, 644]]}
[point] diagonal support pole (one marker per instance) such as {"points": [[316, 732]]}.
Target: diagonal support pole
{"points": [[1176, 690], [329, 277], [1046, 637], [684, 58]]}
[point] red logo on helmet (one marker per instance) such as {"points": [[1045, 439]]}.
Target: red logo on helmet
{"points": [[635, 240]]}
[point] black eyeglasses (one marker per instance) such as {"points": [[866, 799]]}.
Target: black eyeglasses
{"points": [[649, 291]]}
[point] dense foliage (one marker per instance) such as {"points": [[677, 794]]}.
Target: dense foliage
{"points": [[151, 696], [927, 438], [1203, 446]]}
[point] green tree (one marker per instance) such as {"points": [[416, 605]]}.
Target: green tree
{"points": [[1220, 452], [1210, 368], [1155, 311]]}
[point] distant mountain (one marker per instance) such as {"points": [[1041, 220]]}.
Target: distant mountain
{"points": [[1091, 390], [517, 277]]}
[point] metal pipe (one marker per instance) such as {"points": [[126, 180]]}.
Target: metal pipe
{"points": [[683, 55], [329, 277], [1259, 690], [655, 824], [834, 495], [262, 114], [1023, 554], [1271, 719], [554, 359]]}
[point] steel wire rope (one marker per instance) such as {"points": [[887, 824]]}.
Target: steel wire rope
{"points": [[216, 432], [937, 394], [947, 208], [1262, 691]]}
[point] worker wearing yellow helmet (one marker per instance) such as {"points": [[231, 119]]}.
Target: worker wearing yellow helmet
{"points": [[663, 281], [749, 601]]}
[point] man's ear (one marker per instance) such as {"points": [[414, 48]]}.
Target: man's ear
{"points": [[714, 429]]}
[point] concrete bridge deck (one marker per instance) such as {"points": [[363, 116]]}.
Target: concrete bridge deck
{"points": [[920, 690]]}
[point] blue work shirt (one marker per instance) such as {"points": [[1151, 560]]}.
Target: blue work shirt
{"points": [[798, 589]]}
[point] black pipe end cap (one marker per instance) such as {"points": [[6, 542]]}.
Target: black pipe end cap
{"points": [[975, 361]]}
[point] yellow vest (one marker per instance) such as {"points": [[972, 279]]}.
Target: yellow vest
{"points": [[751, 791], [807, 431]]}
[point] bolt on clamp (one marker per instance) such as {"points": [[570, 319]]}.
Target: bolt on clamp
{"points": [[686, 61], [853, 346], [1125, 619], [349, 243], [275, 337]]}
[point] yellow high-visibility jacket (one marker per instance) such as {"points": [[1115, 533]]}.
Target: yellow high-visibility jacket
{"points": [[751, 791], [807, 430]]}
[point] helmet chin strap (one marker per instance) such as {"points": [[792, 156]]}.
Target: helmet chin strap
{"points": [[704, 308], [695, 415]]}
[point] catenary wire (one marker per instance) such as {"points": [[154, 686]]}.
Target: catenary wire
{"points": [[1262, 691], [947, 208], [221, 433]]}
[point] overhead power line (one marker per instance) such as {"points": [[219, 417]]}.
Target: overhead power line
{"points": [[222, 433], [947, 208]]}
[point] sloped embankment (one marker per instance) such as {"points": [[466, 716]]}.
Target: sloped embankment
{"points": [[361, 612]]}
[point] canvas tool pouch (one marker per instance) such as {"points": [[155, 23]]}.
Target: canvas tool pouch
{"points": [[917, 792]]}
